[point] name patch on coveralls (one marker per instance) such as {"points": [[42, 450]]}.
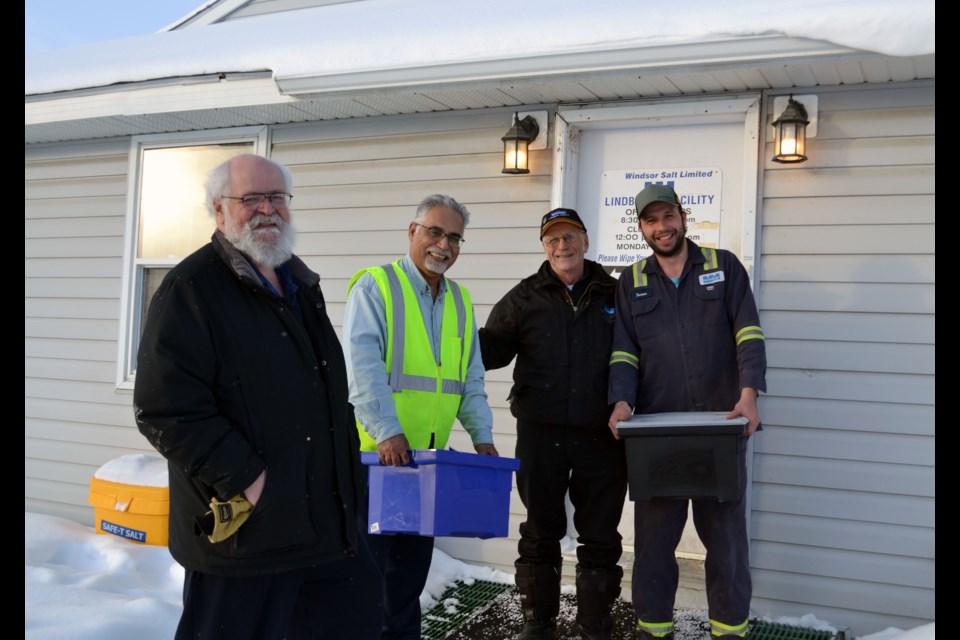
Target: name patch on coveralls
{"points": [[712, 277]]}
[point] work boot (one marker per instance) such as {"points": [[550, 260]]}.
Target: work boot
{"points": [[597, 590], [643, 635], [600, 629], [640, 634], [539, 589], [602, 634], [539, 630]]}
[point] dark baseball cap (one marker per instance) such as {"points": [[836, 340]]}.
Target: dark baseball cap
{"points": [[560, 215], [655, 193]]}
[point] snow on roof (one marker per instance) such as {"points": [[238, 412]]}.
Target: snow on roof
{"points": [[375, 35]]}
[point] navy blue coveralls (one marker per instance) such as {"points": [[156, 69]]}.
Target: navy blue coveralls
{"points": [[688, 347]]}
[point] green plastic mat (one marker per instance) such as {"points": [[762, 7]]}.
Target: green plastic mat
{"points": [[464, 601], [760, 630]]}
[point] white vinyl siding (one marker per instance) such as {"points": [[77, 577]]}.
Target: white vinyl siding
{"points": [[843, 493], [75, 201]]}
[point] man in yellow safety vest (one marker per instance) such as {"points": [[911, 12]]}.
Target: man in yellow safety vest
{"points": [[414, 366]]}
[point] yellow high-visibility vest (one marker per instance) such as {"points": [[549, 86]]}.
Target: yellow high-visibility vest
{"points": [[427, 395]]}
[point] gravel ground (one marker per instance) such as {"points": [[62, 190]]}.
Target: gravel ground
{"points": [[503, 620]]}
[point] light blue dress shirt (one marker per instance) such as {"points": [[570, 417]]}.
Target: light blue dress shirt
{"points": [[365, 348]]}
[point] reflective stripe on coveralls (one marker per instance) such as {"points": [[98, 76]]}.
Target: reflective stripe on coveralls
{"points": [[426, 394], [752, 332], [656, 629], [720, 629]]}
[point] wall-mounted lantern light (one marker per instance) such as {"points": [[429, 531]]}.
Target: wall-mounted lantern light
{"points": [[516, 144], [790, 143]]}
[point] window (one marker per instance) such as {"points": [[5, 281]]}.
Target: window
{"points": [[167, 218]]}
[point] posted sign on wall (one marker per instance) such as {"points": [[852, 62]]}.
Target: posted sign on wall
{"points": [[618, 239]]}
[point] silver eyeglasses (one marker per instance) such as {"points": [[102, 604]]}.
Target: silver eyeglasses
{"points": [[568, 238], [455, 240], [253, 201]]}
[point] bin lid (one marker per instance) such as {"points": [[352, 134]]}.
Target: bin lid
{"points": [[682, 423], [448, 456], [130, 498]]}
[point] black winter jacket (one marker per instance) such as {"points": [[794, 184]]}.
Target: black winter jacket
{"points": [[562, 347], [230, 382]]}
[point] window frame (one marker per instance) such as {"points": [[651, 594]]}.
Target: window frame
{"points": [[131, 310]]}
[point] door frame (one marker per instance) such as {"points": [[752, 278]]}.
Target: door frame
{"points": [[745, 108], [570, 121]]}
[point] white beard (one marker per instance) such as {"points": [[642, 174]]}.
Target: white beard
{"points": [[267, 252], [435, 265]]}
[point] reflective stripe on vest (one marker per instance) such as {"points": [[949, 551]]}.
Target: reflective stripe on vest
{"points": [[426, 395]]}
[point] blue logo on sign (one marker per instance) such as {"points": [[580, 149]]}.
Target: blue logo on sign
{"points": [[710, 278]]}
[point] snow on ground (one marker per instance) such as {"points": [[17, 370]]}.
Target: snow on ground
{"points": [[80, 585]]}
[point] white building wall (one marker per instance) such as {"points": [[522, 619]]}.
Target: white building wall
{"points": [[843, 494], [75, 199]]}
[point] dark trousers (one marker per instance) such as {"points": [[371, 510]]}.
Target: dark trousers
{"points": [[404, 561], [722, 527], [339, 599], [589, 462]]}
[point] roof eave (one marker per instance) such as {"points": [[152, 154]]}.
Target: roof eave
{"points": [[726, 52]]}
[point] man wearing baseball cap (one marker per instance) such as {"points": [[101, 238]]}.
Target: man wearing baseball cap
{"points": [[687, 338], [558, 323]]}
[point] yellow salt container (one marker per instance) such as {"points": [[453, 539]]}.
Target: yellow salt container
{"points": [[124, 508]]}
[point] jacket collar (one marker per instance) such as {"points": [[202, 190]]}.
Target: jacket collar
{"points": [[694, 256], [592, 272]]}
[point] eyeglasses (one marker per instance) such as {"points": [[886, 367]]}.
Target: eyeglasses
{"points": [[253, 201], [568, 238], [453, 239]]}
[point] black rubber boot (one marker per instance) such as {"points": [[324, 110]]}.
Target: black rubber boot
{"points": [[597, 590], [539, 588], [538, 630]]}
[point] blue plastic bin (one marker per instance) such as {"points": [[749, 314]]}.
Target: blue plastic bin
{"points": [[442, 493]]}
